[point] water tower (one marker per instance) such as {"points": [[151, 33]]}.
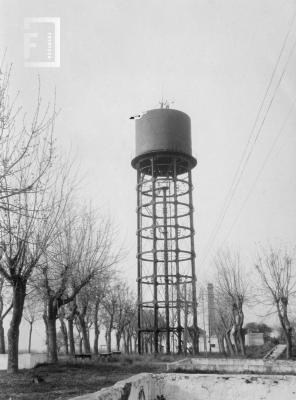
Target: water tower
{"points": [[166, 280]]}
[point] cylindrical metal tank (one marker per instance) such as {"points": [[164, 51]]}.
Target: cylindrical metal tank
{"points": [[163, 131]]}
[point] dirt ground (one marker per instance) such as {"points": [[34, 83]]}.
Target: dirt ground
{"points": [[69, 379]]}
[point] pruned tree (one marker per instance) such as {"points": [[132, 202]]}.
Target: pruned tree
{"points": [[28, 203], [278, 284], [223, 323], [231, 286], [70, 314], [125, 312], [109, 309], [130, 327], [88, 304], [25, 237], [81, 251], [84, 309]]}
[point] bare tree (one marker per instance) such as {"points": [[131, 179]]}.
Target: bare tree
{"points": [[125, 311], [24, 145], [232, 287], [84, 311], [82, 250], [84, 308], [88, 303], [275, 268], [109, 309], [223, 323], [26, 210], [25, 236], [71, 310], [130, 329]]}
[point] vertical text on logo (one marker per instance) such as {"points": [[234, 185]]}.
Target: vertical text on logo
{"points": [[42, 42]]}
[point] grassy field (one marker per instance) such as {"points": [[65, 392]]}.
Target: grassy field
{"points": [[69, 379]]}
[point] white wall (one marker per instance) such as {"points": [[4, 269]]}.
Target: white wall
{"points": [[233, 365], [254, 339], [26, 361]]}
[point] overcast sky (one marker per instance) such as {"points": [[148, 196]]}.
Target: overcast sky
{"points": [[214, 59]]}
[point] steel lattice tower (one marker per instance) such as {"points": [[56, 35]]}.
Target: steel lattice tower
{"points": [[166, 278]]}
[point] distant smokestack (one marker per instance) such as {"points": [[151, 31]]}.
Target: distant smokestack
{"points": [[211, 309]]}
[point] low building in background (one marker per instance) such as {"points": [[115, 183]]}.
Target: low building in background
{"points": [[254, 339]]}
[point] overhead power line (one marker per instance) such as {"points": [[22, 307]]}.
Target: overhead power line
{"points": [[248, 150], [281, 131]]}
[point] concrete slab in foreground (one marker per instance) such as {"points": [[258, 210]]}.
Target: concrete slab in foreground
{"points": [[199, 387]]}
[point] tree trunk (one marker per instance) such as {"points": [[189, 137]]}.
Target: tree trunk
{"points": [[52, 311], [229, 344], [108, 339], [84, 334], [285, 323], [46, 330], [222, 345], [146, 345], [2, 338], [130, 343], [235, 341], [125, 342], [96, 327], [18, 298], [241, 342], [71, 336], [30, 336], [160, 345], [65, 334], [288, 337], [118, 339], [52, 341], [96, 339]]}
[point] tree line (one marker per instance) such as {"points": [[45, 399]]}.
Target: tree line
{"points": [[57, 258], [274, 291]]}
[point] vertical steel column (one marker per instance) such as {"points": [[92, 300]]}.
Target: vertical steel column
{"points": [[185, 319], [194, 304], [155, 282], [139, 262], [179, 326], [166, 270]]}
